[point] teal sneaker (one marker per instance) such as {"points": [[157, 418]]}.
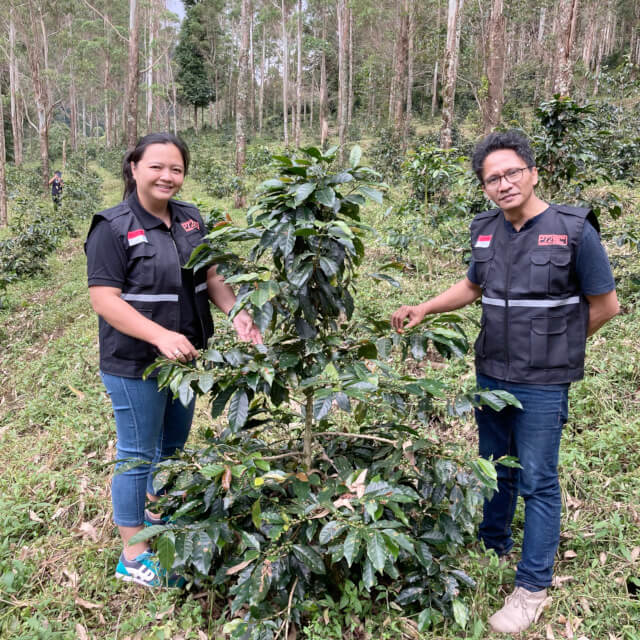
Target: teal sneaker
{"points": [[146, 571]]}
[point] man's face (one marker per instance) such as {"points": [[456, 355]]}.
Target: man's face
{"points": [[507, 180]]}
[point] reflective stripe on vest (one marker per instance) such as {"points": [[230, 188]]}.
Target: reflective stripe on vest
{"points": [[150, 297], [545, 304], [201, 287]]}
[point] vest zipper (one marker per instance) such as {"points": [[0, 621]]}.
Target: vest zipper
{"points": [[507, 288]]}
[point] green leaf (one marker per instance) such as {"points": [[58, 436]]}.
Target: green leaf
{"points": [[351, 546], [148, 533], [326, 196], [205, 381], [424, 620], [309, 557], [328, 266], [374, 194], [354, 156], [330, 531], [265, 292], [256, 514], [238, 410], [243, 277], [303, 191], [166, 550], [383, 276], [368, 575], [377, 551], [220, 402], [460, 613]]}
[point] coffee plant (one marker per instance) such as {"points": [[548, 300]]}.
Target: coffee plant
{"points": [[323, 479]]}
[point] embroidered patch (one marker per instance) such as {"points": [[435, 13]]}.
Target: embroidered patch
{"points": [[483, 241], [190, 225], [136, 237], [552, 239]]}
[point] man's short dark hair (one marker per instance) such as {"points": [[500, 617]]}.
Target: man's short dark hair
{"points": [[497, 141]]}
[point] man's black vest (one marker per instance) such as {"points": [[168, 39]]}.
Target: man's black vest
{"points": [[534, 316], [153, 283]]}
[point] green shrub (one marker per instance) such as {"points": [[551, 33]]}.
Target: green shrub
{"points": [[321, 483]]}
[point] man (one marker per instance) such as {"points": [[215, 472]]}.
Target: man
{"points": [[56, 189], [546, 285]]}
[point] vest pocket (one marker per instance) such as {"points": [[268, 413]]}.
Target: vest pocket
{"points": [[130, 348], [549, 342], [141, 272], [482, 263], [550, 271]]}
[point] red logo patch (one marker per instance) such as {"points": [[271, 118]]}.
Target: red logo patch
{"points": [[191, 225], [135, 234], [552, 239]]}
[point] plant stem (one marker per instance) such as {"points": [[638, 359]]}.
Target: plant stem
{"points": [[308, 424], [361, 436]]}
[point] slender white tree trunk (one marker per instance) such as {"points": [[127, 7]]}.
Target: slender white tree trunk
{"points": [[454, 19], [242, 99], [299, 76], [4, 212], [285, 74], [14, 89], [342, 74]]}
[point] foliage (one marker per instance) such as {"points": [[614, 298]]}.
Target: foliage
{"points": [[387, 155], [284, 508], [441, 179], [568, 141], [217, 176]]}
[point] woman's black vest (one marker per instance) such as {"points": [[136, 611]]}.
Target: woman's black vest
{"points": [[154, 280], [534, 316]]}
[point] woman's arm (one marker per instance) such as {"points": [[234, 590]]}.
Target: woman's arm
{"points": [[108, 304]]}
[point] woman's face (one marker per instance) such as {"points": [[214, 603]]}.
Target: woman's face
{"points": [[159, 174]]}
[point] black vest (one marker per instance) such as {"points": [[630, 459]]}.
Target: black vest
{"points": [[154, 280], [534, 316]]}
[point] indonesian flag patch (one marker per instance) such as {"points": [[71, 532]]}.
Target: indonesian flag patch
{"points": [[190, 225], [552, 239], [483, 241], [136, 237]]}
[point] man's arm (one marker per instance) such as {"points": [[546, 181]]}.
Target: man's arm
{"points": [[459, 295], [601, 309]]}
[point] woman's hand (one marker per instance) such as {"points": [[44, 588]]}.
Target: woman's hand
{"points": [[246, 329], [175, 346]]}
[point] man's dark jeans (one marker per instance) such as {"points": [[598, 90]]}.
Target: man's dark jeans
{"points": [[532, 434]]}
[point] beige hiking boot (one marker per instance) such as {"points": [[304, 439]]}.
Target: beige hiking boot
{"points": [[521, 609]]}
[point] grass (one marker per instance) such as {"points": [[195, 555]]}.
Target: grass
{"points": [[58, 546]]}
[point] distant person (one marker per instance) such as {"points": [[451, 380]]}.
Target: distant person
{"points": [[546, 285], [150, 306], [56, 183]]}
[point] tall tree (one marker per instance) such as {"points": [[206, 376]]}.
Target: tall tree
{"points": [[566, 35], [14, 90], [242, 100], [492, 107], [4, 216], [322, 117], [298, 74], [454, 20], [131, 89], [285, 73], [343, 21]]}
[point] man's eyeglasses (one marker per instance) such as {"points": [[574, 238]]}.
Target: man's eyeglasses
{"points": [[512, 176]]}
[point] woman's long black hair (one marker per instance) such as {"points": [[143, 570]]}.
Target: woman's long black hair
{"points": [[137, 152]]}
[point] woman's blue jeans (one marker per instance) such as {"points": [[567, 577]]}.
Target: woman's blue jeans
{"points": [[532, 434], [150, 427]]}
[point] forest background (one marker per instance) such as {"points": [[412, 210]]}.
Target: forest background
{"points": [[243, 81]]}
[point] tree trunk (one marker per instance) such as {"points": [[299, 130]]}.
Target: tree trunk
{"points": [[242, 101], [492, 107], [252, 74], [4, 215], [322, 116], [131, 92], [434, 90], [350, 91], [262, 80], [36, 54], [299, 77], [342, 75], [566, 35], [73, 118], [454, 20], [285, 74], [151, 41], [16, 120], [400, 70], [411, 24]]}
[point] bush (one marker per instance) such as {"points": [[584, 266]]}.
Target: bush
{"points": [[293, 503], [387, 156]]}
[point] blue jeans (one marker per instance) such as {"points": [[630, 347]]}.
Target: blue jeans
{"points": [[532, 434], [150, 427]]}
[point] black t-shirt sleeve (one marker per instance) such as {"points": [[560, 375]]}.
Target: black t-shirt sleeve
{"points": [[592, 265], [106, 257]]}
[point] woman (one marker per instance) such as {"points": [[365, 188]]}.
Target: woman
{"points": [[149, 306]]}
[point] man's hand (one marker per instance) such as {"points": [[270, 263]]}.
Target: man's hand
{"points": [[415, 315], [246, 329]]}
